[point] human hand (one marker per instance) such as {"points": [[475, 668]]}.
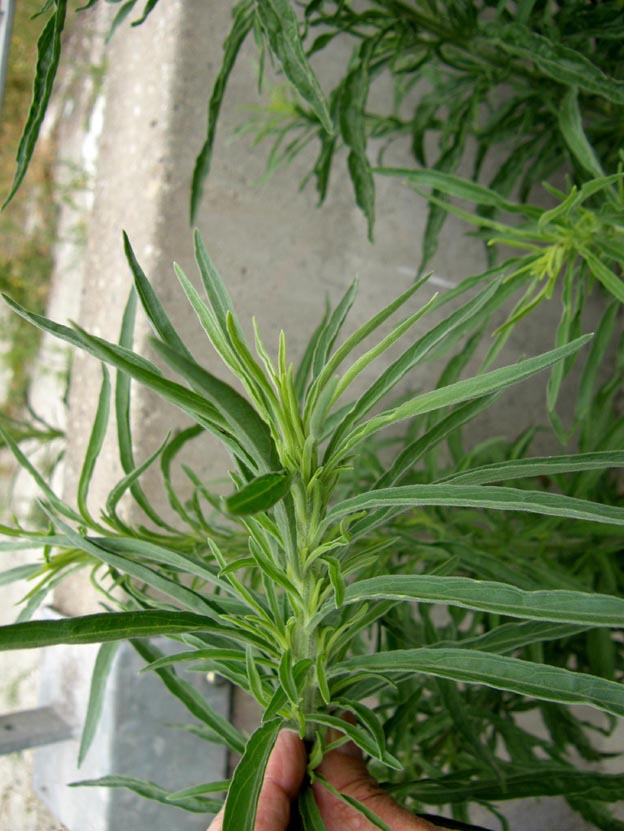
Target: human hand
{"points": [[345, 770]]}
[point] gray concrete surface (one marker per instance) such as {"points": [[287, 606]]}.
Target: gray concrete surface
{"points": [[139, 735], [277, 252]]}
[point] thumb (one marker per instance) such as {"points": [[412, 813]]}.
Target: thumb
{"points": [[345, 769]]}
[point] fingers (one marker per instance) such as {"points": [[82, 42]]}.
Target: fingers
{"points": [[282, 781], [344, 768]]}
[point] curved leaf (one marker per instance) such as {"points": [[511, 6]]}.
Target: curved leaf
{"points": [[540, 681], [498, 598]]}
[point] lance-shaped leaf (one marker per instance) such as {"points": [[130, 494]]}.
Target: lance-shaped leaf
{"points": [[149, 790], [540, 681], [498, 598], [242, 798], [101, 670], [242, 25], [545, 779], [547, 466], [483, 496], [415, 353], [280, 23], [192, 699], [259, 495], [561, 63], [234, 410], [99, 628], [48, 57], [484, 384], [571, 127]]}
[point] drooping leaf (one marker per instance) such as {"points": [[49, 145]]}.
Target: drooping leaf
{"points": [[280, 23], [482, 496], [242, 25], [541, 681], [498, 598], [242, 798], [149, 790], [48, 58], [101, 671]]}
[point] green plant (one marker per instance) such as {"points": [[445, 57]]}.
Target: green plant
{"points": [[300, 586]]}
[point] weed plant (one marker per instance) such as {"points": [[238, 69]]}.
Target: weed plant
{"points": [[309, 585], [438, 596]]}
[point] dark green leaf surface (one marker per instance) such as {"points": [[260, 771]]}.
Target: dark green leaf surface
{"points": [[99, 628], [281, 26], [242, 25], [242, 798], [259, 495], [48, 57]]}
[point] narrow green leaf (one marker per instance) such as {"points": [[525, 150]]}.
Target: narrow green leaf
{"points": [[241, 26], [498, 598], [571, 127], [494, 498], [415, 353], [460, 188], [305, 366], [242, 798], [148, 790], [531, 468], [218, 297], [192, 699], [234, 410], [151, 305], [199, 790], [360, 807], [99, 628], [352, 110], [548, 683], [609, 279], [332, 329], [25, 464], [101, 670], [512, 636], [597, 351], [94, 447], [561, 63], [309, 811], [362, 738], [259, 495], [484, 384], [18, 573], [147, 10], [281, 26], [48, 57], [122, 415], [545, 779], [354, 340]]}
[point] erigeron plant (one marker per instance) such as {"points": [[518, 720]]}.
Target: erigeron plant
{"points": [[290, 587]]}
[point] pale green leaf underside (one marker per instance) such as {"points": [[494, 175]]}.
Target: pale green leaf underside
{"points": [[539, 681], [483, 496], [498, 598]]}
